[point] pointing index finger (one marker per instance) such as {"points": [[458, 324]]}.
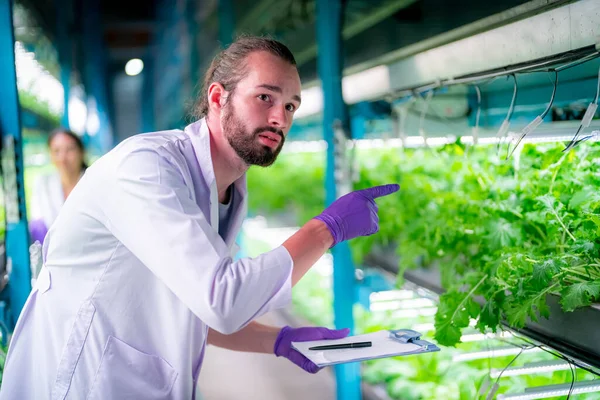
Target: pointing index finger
{"points": [[380, 191]]}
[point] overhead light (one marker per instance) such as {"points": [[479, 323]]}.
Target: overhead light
{"points": [[531, 368], [134, 66], [312, 102], [401, 304], [413, 313], [35, 79], [366, 85], [479, 337], [361, 86], [315, 146], [493, 353], [423, 328], [92, 123], [387, 295], [544, 392]]}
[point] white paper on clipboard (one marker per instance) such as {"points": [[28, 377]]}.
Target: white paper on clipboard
{"points": [[383, 345]]}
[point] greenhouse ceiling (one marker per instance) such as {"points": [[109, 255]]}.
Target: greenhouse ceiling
{"points": [[371, 27]]}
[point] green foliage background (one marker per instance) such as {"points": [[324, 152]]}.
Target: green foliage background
{"points": [[512, 232]]}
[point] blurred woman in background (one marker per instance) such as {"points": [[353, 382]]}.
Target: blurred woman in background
{"points": [[51, 190]]}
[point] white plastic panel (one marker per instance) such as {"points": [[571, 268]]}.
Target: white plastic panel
{"points": [[559, 30]]}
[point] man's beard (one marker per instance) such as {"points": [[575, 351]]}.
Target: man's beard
{"points": [[246, 144]]}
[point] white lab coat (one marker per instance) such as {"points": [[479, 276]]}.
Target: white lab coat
{"points": [[47, 198], [135, 275]]}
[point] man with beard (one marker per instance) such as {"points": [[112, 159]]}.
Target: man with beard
{"points": [[138, 272]]}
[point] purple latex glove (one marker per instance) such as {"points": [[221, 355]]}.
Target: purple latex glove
{"points": [[355, 214], [37, 230], [283, 343]]}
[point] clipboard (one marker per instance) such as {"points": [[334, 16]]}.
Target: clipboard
{"points": [[385, 343]]}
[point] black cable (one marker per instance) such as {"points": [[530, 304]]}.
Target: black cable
{"points": [[572, 380], [477, 115], [578, 62], [508, 365], [575, 141], [539, 117], [554, 353], [547, 65], [511, 110], [505, 124], [597, 88], [553, 95]]}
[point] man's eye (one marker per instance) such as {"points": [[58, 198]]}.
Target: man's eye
{"points": [[263, 97], [290, 108]]}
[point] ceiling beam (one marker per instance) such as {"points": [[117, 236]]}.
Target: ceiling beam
{"points": [[255, 18], [127, 53], [362, 24], [124, 26]]}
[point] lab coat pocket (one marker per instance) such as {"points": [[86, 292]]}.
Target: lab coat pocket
{"points": [[127, 373]]}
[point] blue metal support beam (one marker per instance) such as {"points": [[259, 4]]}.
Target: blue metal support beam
{"points": [[148, 95], [226, 22], [95, 79], [194, 30], [329, 65], [65, 52], [17, 234]]}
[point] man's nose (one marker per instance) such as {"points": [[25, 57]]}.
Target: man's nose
{"points": [[278, 117]]}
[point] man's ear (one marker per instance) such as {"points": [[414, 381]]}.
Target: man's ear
{"points": [[217, 96]]}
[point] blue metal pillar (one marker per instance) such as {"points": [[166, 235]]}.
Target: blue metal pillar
{"points": [[63, 24], [226, 22], [329, 65], [194, 30], [96, 77], [17, 234], [148, 94]]}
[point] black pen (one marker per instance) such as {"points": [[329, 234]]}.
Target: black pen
{"points": [[341, 346]]}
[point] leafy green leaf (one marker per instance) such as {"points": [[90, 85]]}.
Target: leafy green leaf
{"points": [[454, 313], [517, 315], [579, 295], [583, 246], [543, 273], [543, 308], [490, 316], [580, 198], [548, 201], [503, 234], [447, 334], [596, 220]]}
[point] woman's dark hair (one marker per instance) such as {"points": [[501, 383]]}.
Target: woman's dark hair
{"points": [[229, 66], [73, 136]]}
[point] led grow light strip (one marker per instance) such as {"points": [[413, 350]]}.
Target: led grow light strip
{"points": [[544, 392], [532, 368], [423, 312], [479, 337], [549, 135], [386, 295], [498, 352]]}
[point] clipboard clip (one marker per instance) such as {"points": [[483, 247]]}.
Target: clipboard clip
{"points": [[410, 336], [405, 335]]}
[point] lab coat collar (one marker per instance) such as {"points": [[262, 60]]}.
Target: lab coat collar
{"points": [[200, 136]]}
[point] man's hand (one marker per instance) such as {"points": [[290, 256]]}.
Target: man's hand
{"points": [[355, 214], [283, 343]]}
